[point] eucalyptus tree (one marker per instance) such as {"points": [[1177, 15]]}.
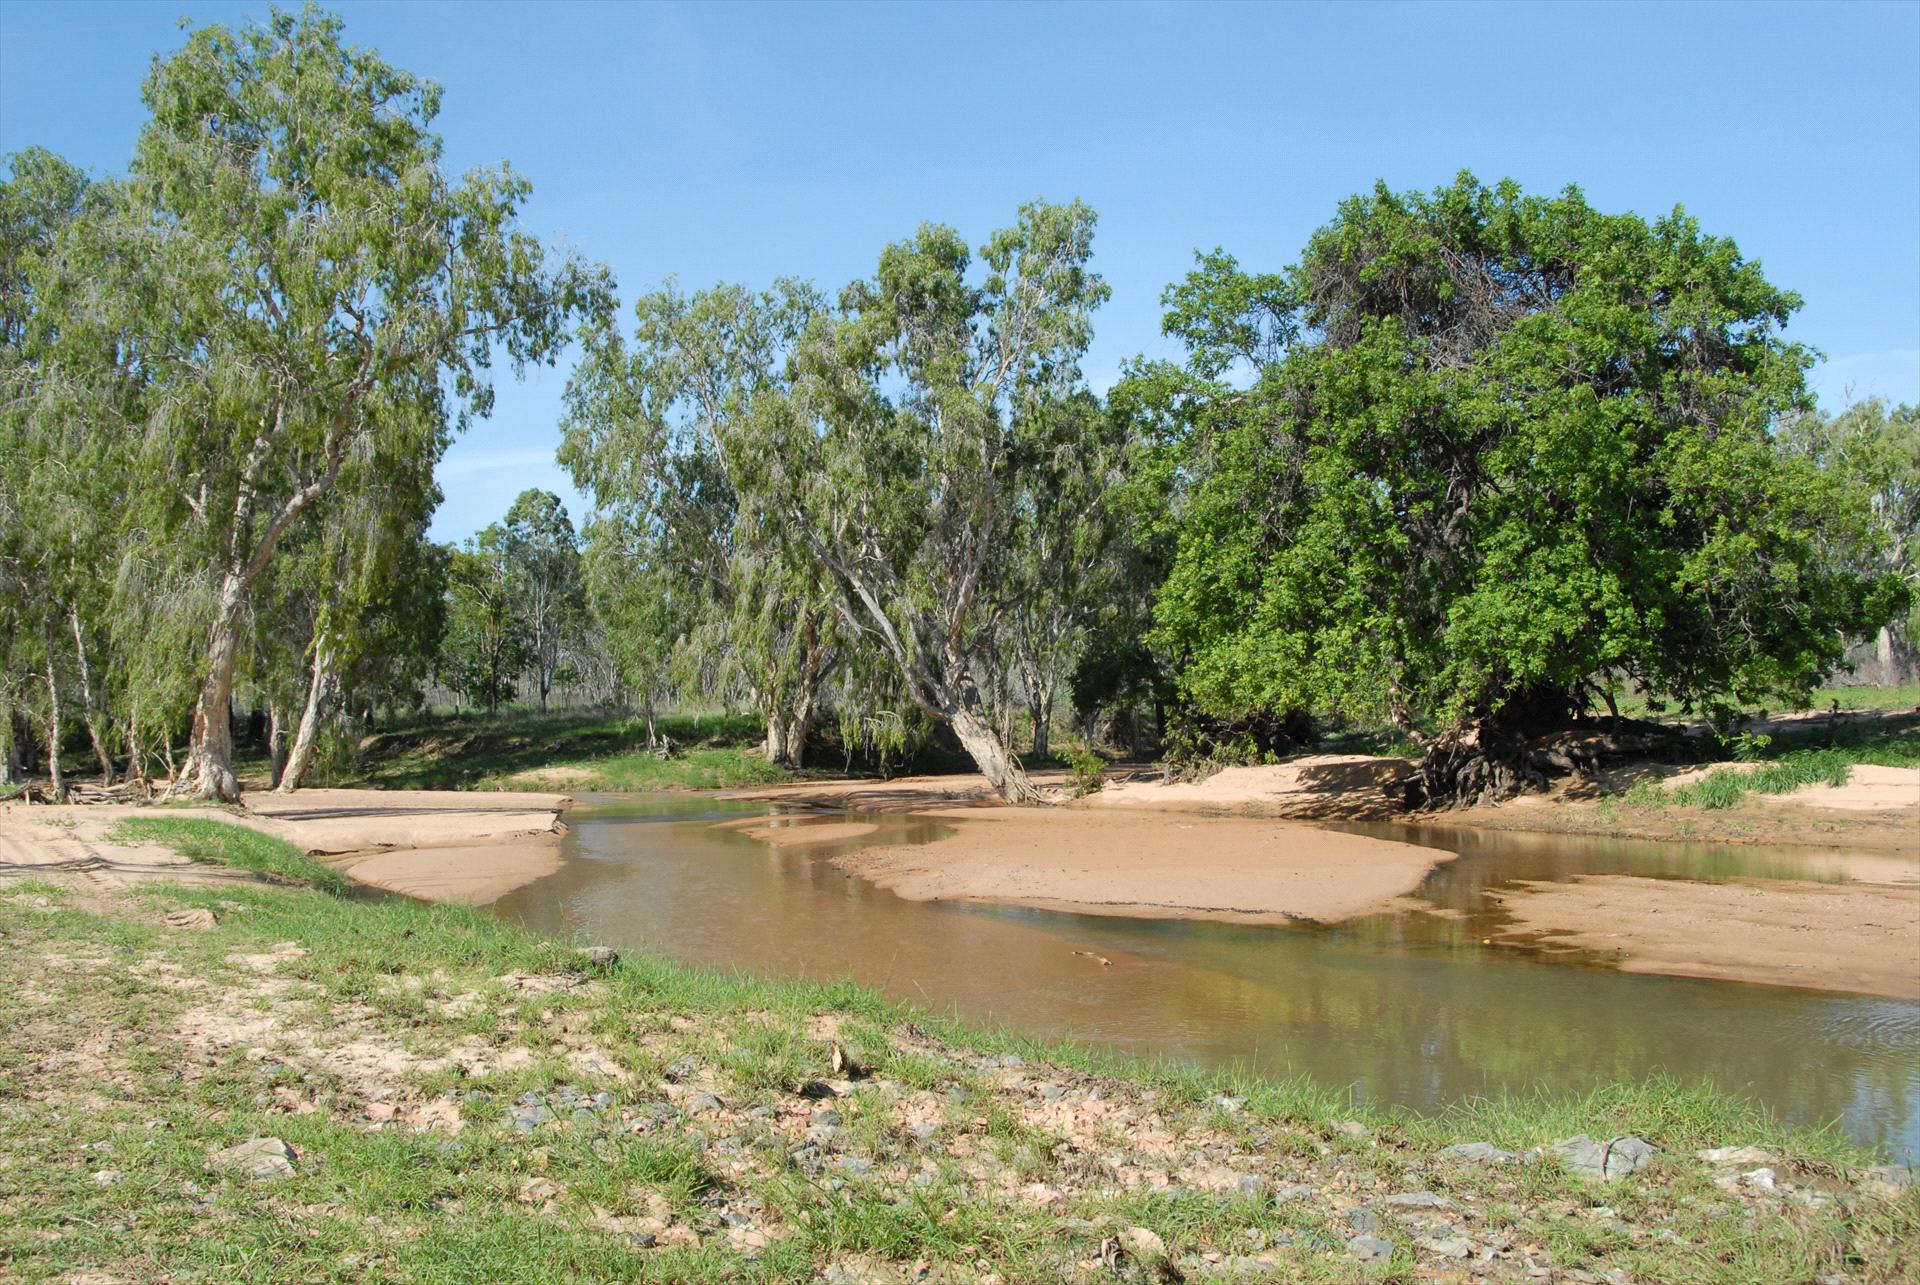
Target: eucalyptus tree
{"points": [[1875, 447], [633, 593], [299, 268], [1077, 452], [541, 542], [363, 591], [648, 434], [1484, 449], [899, 460]]}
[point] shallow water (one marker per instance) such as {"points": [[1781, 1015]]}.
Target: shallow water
{"points": [[1408, 1009]]}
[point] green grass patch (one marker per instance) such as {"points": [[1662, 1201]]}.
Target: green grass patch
{"points": [[571, 751], [220, 844]]}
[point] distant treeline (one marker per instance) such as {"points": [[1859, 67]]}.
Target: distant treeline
{"points": [[1474, 464]]}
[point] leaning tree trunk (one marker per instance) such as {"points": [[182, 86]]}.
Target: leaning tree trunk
{"points": [[990, 754], [319, 688], [276, 745]]}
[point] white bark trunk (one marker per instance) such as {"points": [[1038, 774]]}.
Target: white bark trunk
{"points": [[89, 709], [53, 731], [990, 756], [319, 687], [209, 770], [276, 745], [10, 773]]}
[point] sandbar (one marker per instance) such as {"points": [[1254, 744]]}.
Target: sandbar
{"points": [[1856, 937]]}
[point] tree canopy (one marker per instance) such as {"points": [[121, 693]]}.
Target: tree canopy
{"points": [[1491, 452]]}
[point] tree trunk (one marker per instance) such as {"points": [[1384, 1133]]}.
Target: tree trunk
{"points": [[89, 709], [776, 750], [53, 730], [10, 773], [319, 688], [799, 720], [276, 745], [1041, 712], [209, 770], [990, 755]]}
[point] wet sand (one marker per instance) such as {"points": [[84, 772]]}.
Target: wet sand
{"points": [[1149, 866], [466, 876], [1855, 937]]}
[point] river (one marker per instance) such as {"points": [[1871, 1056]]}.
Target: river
{"points": [[1408, 1009]]}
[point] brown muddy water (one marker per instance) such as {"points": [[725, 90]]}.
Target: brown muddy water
{"points": [[1408, 1009]]}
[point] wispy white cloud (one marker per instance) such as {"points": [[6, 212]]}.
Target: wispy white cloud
{"points": [[462, 464], [1894, 375]]}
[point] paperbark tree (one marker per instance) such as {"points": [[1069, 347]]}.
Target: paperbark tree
{"points": [[899, 460], [646, 434], [298, 266], [69, 387]]}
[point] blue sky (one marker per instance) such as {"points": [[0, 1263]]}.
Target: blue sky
{"points": [[718, 142]]}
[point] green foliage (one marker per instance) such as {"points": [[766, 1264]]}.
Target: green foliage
{"points": [[294, 306], [690, 576], [540, 545], [930, 418], [1493, 447], [1876, 447], [488, 640], [1087, 770], [586, 751]]}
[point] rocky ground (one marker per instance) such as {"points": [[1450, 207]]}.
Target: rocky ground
{"points": [[283, 1084]]}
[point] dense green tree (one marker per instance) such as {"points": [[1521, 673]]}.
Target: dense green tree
{"points": [[299, 271], [899, 459], [486, 646], [1480, 451]]}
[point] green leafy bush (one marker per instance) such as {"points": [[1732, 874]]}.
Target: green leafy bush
{"points": [[1089, 771]]}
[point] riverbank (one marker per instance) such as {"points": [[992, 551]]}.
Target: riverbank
{"points": [[270, 1079], [458, 846]]}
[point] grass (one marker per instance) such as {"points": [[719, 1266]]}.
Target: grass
{"points": [[1902, 698], [138, 1050], [572, 751], [1786, 762], [217, 843]]}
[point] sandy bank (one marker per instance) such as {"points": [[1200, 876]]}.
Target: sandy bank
{"points": [[445, 845], [1855, 937], [1143, 865], [1314, 785]]}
